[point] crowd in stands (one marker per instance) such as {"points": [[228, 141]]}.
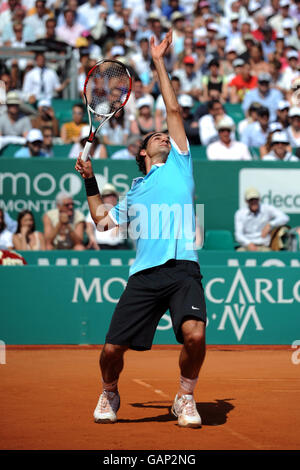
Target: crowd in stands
{"points": [[242, 53]]}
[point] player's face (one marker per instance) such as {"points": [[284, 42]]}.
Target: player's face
{"points": [[159, 145]]}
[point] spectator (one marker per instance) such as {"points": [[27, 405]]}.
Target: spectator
{"points": [[10, 223], [47, 147], [116, 130], [268, 42], [6, 241], [255, 135], [141, 12], [214, 80], [293, 131], [26, 236], [70, 131], [113, 239], [190, 78], [128, 153], [279, 149], [242, 83], [6, 17], [64, 226], [283, 113], [37, 21], [12, 122], [171, 7], [277, 21], [45, 117], [33, 145], [141, 60], [160, 108], [227, 148], [97, 150], [191, 125], [263, 94], [138, 91], [71, 30], [254, 223], [144, 121], [207, 123], [273, 127], [250, 118], [291, 72], [115, 20], [41, 82], [89, 12], [256, 59]]}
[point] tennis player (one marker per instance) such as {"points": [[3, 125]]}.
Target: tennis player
{"points": [[166, 274]]}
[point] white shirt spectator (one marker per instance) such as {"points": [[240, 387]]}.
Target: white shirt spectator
{"points": [[6, 241], [90, 12], [112, 237], [207, 130], [122, 154], [41, 85], [272, 157], [248, 226], [235, 151]]}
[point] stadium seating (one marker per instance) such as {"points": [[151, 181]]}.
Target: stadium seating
{"points": [[218, 240]]}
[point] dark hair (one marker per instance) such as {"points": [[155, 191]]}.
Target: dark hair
{"points": [[2, 224], [79, 105], [20, 217], [140, 159], [211, 104]]}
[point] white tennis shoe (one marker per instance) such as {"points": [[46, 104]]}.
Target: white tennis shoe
{"points": [[107, 407], [184, 408]]}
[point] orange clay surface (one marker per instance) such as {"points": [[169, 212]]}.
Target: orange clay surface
{"points": [[248, 399]]}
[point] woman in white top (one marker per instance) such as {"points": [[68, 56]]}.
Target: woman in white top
{"points": [[293, 131], [6, 242], [26, 237]]}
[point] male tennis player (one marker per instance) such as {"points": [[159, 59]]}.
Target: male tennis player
{"points": [[166, 273]]}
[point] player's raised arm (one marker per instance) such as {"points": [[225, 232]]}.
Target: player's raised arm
{"points": [[174, 119]]}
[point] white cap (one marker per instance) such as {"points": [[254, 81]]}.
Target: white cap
{"points": [[44, 103], [279, 137], [251, 193], [294, 111], [288, 23], [186, 101], [283, 104], [84, 132], [212, 27], [225, 123], [234, 16], [230, 48], [292, 55], [275, 126], [117, 50], [109, 189], [144, 101], [284, 3], [34, 135]]}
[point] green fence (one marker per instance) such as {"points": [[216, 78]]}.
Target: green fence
{"points": [[73, 305], [33, 184]]}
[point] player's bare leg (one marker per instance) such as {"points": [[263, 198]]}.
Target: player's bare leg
{"points": [[111, 364], [190, 361]]}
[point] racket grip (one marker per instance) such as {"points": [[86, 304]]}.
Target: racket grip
{"points": [[86, 151]]}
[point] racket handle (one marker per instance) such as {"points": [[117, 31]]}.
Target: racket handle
{"points": [[86, 151]]}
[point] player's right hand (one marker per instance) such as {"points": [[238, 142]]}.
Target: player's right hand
{"points": [[84, 167]]}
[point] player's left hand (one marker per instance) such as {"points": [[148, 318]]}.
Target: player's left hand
{"points": [[84, 168], [159, 50]]}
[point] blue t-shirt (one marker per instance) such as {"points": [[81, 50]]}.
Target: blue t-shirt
{"points": [[160, 211]]}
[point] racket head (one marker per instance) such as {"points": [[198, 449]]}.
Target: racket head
{"points": [[107, 88]]}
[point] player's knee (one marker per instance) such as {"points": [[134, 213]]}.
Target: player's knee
{"points": [[113, 351], [195, 339]]}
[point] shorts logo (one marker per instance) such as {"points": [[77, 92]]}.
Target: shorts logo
{"points": [[195, 308]]}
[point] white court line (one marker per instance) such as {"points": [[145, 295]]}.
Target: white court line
{"points": [[242, 437], [145, 384]]}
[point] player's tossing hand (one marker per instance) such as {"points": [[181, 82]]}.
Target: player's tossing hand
{"points": [[84, 167]]}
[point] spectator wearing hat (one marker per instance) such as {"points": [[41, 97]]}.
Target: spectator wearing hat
{"points": [[70, 131], [140, 14], [144, 121], [277, 21], [291, 72], [41, 82], [112, 239], [283, 113], [190, 78], [128, 153], [263, 94], [97, 150], [13, 122], [253, 224], [71, 30], [212, 29], [45, 117], [273, 127], [33, 145], [190, 123], [226, 147], [178, 25], [256, 134], [214, 80], [247, 42], [241, 83], [293, 130], [279, 149]]}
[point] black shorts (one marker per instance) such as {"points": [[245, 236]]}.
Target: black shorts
{"points": [[175, 285]]}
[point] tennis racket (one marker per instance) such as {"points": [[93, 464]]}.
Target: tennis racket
{"points": [[106, 91]]}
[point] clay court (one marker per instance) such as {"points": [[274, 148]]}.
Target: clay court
{"points": [[248, 399]]}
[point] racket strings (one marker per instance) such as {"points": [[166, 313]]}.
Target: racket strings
{"points": [[107, 88]]}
